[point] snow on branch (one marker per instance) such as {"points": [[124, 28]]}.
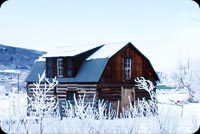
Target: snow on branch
{"points": [[146, 85], [41, 103]]}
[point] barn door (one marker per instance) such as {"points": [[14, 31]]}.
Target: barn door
{"points": [[125, 94]]}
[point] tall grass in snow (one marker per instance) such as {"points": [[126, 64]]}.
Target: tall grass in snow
{"points": [[81, 117]]}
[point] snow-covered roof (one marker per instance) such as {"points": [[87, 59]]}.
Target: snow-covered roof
{"points": [[41, 58], [67, 51], [37, 69], [107, 50]]}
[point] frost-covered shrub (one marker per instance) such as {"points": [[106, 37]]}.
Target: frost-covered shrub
{"points": [[88, 110], [166, 119], [150, 106], [12, 112], [40, 106]]}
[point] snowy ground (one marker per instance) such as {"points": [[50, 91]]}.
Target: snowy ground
{"points": [[186, 117], [12, 78], [189, 112]]}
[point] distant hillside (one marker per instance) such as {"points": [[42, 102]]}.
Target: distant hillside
{"points": [[17, 58]]}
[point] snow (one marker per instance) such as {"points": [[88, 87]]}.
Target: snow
{"points": [[177, 118], [41, 58], [66, 51], [9, 71], [186, 114], [107, 51], [172, 95]]}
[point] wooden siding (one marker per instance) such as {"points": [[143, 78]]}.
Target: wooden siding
{"points": [[127, 96], [112, 92], [141, 93], [113, 81], [65, 66], [60, 91], [53, 67], [114, 71]]}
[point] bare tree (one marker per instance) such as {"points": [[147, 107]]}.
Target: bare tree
{"points": [[186, 77], [40, 104]]}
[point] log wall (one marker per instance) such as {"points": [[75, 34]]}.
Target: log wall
{"points": [[60, 91]]}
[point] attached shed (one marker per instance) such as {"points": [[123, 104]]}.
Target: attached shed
{"points": [[107, 71]]}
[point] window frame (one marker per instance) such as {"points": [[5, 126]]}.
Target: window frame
{"points": [[127, 68], [60, 67]]}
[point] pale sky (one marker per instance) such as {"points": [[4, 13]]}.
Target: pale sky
{"points": [[165, 31]]}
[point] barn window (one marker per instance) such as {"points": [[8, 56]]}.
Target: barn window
{"points": [[69, 67], [60, 67], [49, 70], [127, 68]]}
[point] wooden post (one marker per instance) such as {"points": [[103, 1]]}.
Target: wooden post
{"points": [[122, 96]]}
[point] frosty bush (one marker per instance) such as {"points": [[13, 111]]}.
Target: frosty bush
{"points": [[12, 113], [150, 88], [84, 110]]}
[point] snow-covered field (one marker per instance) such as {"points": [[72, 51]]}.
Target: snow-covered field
{"points": [[10, 78], [175, 114], [189, 113]]}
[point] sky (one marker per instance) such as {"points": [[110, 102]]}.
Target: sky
{"points": [[165, 31]]}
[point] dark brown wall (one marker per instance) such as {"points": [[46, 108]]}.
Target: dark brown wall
{"points": [[114, 71], [113, 76], [53, 66]]}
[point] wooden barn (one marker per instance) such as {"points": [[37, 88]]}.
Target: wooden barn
{"points": [[108, 71]]}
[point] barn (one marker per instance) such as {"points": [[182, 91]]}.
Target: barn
{"points": [[108, 71]]}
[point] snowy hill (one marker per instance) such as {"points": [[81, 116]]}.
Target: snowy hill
{"points": [[17, 58], [15, 64]]}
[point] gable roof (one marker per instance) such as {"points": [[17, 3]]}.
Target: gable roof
{"points": [[107, 50], [92, 67]]}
